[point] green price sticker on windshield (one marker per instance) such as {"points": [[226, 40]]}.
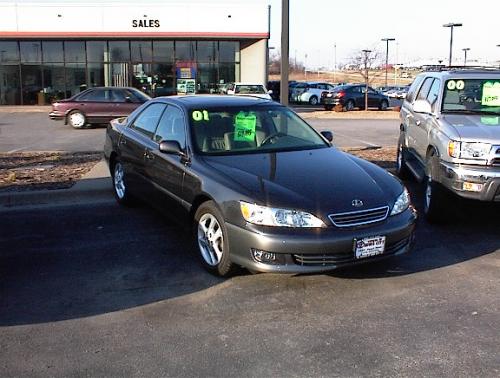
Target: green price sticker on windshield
{"points": [[244, 127], [491, 94]]}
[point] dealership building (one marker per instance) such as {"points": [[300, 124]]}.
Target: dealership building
{"points": [[53, 50]]}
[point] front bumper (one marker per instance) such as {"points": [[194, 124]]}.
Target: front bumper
{"points": [[453, 177], [311, 251], [57, 116]]}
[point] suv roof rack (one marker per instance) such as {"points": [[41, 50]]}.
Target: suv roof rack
{"points": [[442, 67]]}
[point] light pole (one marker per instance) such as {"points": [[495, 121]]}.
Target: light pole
{"points": [[387, 55], [285, 29], [366, 77], [465, 54], [334, 60], [499, 61], [451, 25]]}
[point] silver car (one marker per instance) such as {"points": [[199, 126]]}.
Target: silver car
{"points": [[450, 136]]}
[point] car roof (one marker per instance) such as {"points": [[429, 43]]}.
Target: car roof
{"points": [[214, 101], [463, 73]]}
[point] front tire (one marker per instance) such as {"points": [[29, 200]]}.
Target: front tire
{"points": [[383, 105], [435, 196], [211, 240], [401, 168], [328, 107], [313, 100], [77, 119]]}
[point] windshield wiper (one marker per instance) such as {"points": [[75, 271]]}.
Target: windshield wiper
{"points": [[471, 111]]}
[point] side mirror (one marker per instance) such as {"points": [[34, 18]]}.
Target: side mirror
{"points": [[171, 147], [422, 106], [328, 135], [128, 99]]}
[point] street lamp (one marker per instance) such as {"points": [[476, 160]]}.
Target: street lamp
{"points": [[451, 25], [366, 77], [465, 53], [498, 46], [334, 60], [387, 55]]}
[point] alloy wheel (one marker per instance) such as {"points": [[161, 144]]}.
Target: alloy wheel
{"points": [[210, 239]]}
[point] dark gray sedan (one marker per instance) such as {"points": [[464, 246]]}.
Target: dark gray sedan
{"points": [[261, 188]]}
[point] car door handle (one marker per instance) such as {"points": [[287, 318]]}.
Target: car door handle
{"points": [[123, 141], [417, 122], [148, 155]]}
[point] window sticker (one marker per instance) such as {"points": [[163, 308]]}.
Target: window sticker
{"points": [[244, 127], [490, 121], [200, 115], [452, 84], [491, 94], [460, 85]]}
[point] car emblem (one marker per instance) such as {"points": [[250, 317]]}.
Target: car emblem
{"points": [[357, 203]]}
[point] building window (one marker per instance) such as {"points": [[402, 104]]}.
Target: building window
{"points": [[9, 52], [207, 52], [75, 78], [54, 83], [74, 51], [9, 85], [229, 51], [119, 51], [97, 51], [163, 51], [32, 85], [31, 52], [142, 51], [52, 51], [185, 51]]}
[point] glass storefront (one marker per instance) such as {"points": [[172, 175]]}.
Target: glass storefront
{"points": [[39, 72]]}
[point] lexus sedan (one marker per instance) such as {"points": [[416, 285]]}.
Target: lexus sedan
{"points": [[259, 187], [97, 105]]}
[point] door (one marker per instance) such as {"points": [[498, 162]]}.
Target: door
{"points": [[166, 171], [358, 97], [124, 102], [415, 128], [373, 98], [427, 121], [134, 142], [96, 104]]}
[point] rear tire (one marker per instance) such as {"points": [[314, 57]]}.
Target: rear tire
{"points": [[210, 236], [401, 168], [120, 185], [77, 119], [349, 106], [383, 105], [313, 100]]}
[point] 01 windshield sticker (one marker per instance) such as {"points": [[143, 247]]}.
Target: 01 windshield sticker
{"points": [[244, 127], [457, 85], [491, 94], [200, 115]]}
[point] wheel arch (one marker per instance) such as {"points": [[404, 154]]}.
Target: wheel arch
{"points": [[197, 202]]}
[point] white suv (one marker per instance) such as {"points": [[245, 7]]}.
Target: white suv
{"points": [[450, 136], [310, 92]]}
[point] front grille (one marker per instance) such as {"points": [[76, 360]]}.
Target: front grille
{"points": [[357, 218], [495, 161], [340, 258]]}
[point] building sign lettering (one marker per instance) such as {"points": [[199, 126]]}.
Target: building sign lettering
{"points": [[145, 23]]}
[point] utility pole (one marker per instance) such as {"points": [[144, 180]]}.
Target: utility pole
{"points": [[451, 25], [465, 53], [387, 40], [334, 61], [366, 77], [285, 29]]}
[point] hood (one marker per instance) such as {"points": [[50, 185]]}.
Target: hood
{"points": [[322, 181], [477, 128]]}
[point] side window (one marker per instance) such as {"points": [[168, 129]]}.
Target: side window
{"points": [[330, 87], [412, 91], [321, 86], [434, 93], [86, 96], [424, 90], [171, 126], [118, 95], [371, 90], [146, 122]]}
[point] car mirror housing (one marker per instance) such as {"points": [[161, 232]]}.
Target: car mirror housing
{"points": [[328, 135], [422, 106], [171, 147]]}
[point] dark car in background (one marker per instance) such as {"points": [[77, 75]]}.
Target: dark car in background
{"points": [[97, 105], [259, 187], [353, 96]]}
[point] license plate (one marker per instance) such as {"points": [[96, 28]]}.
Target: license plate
{"points": [[370, 246]]}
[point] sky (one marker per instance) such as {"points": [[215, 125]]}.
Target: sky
{"points": [[317, 25]]}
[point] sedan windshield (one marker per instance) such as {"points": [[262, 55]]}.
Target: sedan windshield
{"points": [[480, 96], [249, 89], [252, 129]]}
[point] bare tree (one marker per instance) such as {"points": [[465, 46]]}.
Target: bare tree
{"points": [[365, 63], [275, 65]]}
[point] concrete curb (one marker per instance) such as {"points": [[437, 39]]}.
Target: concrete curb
{"points": [[93, 187]]}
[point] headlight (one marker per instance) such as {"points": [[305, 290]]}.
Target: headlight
{"points": [[401, 203], [268, 216], [468, 150]]}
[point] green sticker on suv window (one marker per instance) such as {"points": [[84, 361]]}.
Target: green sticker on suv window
{"points": [[490, 121], [244, 127], [491, 94]]}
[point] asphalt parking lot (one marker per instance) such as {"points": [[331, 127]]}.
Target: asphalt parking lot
{"points": [[100, 290]]}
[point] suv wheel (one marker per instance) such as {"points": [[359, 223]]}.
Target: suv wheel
{"points": [[401, 168], [313, 100], [435, 196], [383, 105]]}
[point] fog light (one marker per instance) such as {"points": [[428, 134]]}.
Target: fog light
{"points": [[472, 187], [265, 257]]}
